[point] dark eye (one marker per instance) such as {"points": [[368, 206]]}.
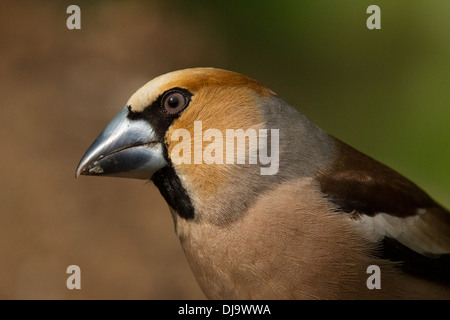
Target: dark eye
{"points": [[174, 102]]}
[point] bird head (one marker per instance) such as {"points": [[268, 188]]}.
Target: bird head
{"points": [[203, 136]]}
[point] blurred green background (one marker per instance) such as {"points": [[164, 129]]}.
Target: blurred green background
{"points": [[385, 92]]}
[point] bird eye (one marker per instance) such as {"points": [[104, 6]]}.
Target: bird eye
{"points": [[174, 102]]}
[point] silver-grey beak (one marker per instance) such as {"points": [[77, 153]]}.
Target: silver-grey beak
{"points": [[126, 148]]}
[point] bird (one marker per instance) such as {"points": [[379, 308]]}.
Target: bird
{"points": [[266, 204]]}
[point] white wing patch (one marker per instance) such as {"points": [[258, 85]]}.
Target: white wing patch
{"points": [[415, 232]]}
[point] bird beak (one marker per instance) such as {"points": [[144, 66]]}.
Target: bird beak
{"points": [[126, 148]]}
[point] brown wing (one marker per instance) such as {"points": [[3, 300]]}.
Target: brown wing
{"points": [[410, 226], [358, 182]]}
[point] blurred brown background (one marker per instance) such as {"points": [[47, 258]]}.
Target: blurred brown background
{"points": [[385, 92]]}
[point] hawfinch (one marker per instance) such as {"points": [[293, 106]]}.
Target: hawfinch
{"points": [[266, 204]]}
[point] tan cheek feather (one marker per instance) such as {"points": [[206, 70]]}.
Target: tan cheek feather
{"points": [[218, 108]]}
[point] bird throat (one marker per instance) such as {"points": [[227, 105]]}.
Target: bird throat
{"points": [[174, 193]]}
